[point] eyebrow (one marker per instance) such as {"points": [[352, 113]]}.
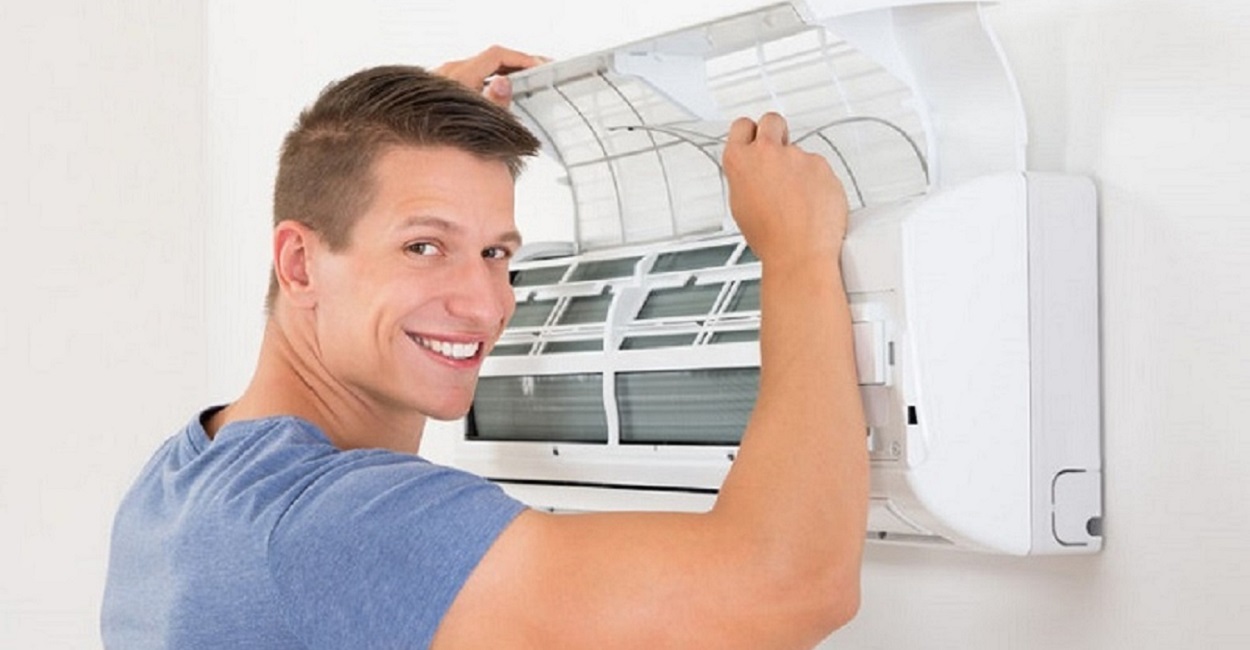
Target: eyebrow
{"points": [[438, 223]]}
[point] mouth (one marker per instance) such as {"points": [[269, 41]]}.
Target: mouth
{"points": [[454, 351]]}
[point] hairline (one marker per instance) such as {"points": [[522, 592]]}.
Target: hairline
{"points": [[370, 182]]}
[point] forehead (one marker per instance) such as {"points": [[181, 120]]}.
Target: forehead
{"points": [[473, 193]]}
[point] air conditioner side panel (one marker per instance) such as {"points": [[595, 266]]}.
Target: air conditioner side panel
{"points": [[1063, 276], [967, 309]]}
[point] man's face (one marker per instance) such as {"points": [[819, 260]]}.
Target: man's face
{"points": [[406, 313]]}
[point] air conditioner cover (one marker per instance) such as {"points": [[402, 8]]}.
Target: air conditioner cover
{"points": [[625, 378]]}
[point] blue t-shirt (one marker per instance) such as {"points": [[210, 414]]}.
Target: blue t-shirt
{"points": [[268, 536]]}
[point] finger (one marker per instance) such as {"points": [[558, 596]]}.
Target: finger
{"points": [[742, 131], [497, 60], [499, 91], [773, 128], [536, 61]]}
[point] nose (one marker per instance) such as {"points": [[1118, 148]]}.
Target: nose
{"points": [[481, 295]]}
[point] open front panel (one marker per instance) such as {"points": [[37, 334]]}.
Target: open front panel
{"points": [[640, 129]]}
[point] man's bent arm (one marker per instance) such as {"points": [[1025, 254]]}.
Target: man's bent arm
{"points": [[775, 564]]}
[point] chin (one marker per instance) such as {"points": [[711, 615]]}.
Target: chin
{"points": [[448, 411], [440, 402], [447, 416]]}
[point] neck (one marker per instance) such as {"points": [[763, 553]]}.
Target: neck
{"points": [[291, 380]]}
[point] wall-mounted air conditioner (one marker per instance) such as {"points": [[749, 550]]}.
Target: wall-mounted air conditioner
{"points": [[625, 379]]}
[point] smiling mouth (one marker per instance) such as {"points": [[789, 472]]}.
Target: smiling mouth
{"points": [[448, 349]]}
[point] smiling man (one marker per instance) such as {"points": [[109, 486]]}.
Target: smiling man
{"points": [[302, 516], [390, 325]]}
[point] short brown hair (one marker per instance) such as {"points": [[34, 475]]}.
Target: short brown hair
{"points": [[325, 171]]}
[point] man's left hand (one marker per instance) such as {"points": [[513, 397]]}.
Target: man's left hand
{"points": [[486, 71]]}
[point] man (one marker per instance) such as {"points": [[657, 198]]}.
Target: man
{"points": [[300, 516]]}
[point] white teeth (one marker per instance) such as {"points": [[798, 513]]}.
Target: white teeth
{"points": [[450, 350]]}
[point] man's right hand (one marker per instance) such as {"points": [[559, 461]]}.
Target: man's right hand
{"points": [[788, 203], [776, 562]]}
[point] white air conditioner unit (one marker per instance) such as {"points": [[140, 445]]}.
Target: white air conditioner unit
{"points": [[626, 377]]}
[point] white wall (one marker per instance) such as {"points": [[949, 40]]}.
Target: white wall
{"points": [[102, 341], [1148, 97], [110, 294]]}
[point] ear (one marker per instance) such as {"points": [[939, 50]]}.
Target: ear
{"points": [[292, 247]]}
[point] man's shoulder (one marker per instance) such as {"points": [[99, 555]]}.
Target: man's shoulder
{"points": [[290, 462], [287, 456], [388, 538], [272, 509], [283, 474]]}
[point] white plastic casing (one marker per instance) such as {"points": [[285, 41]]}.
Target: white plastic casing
{"points": [[973, 283]]}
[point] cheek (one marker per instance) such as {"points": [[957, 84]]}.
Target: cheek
{"points": [[507, 303], [357, 313], [341, 294]]}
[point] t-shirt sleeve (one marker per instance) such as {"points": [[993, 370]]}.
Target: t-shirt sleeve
{"points": [[373, 552]]}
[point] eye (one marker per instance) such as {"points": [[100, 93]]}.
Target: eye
{"points": [[496, 253], [423, 248]]}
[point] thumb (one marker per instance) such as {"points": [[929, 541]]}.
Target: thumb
{"points": [[499, 91]]}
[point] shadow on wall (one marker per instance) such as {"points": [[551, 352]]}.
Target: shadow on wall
{"points": [[939, 596]]}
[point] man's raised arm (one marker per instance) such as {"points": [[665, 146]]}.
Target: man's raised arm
{"points": [[775, 564]]}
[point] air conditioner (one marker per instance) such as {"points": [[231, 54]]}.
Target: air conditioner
{"points": [[625, 378]]}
